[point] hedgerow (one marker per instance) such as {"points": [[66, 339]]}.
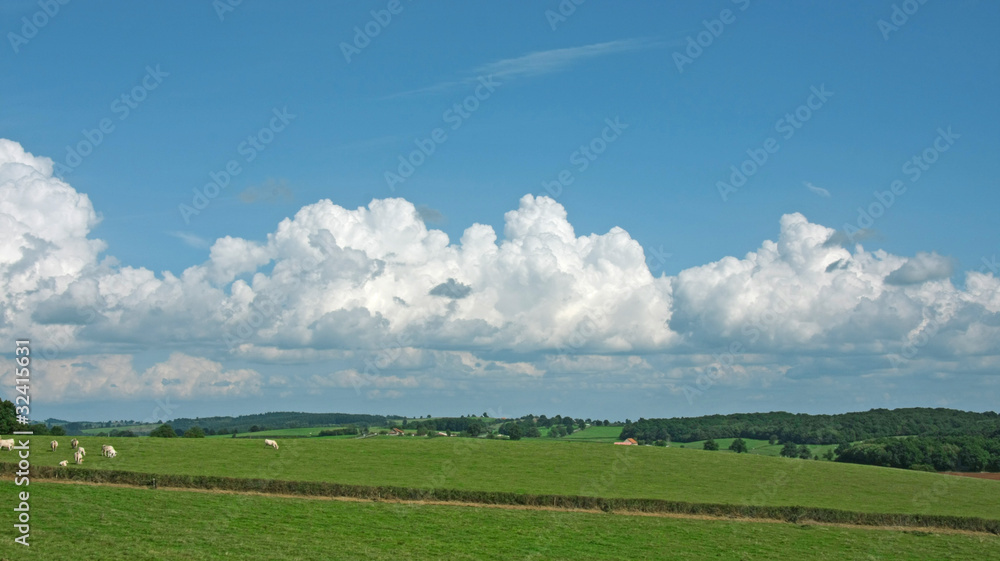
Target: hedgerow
{"points": [[795, 514]]}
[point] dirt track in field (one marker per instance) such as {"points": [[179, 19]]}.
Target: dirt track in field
{"points": [[541, 508]]}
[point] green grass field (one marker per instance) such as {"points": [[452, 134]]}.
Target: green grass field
{"points": [[761, 447], [540, 466], [118, 524], [595, 434]]}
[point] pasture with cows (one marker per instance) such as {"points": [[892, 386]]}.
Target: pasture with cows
{"points": [[520, 281], [428, 487], [527, 467]]}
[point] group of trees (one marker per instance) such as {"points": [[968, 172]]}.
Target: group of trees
{"points": [[119, 427], [954, 453], [339, 432], [163, 431], [8, 418], [167, 431], [9, 424], [527, 426], [916, 438], [739, 445], [791, 450], [472, 425], [567, 422], [928, 453], [530, 426], [522, 428], [817, 429], [208, 425], [126, 433], [559, 431], [449, 424]]}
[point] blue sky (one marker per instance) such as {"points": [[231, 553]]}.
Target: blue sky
{"points": [[212, 80]]}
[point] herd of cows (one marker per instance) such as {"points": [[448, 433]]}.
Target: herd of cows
{"points": [[79, 452], [106, 450]]}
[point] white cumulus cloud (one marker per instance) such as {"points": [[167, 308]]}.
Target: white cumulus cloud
{"points": [[332, 284]]}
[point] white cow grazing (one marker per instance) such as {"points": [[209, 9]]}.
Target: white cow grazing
{"points": [[104, 449], [271, 443], [78, 457], [63, 463], [55, 444], [74, 443], [82, 451], [8, 444]]}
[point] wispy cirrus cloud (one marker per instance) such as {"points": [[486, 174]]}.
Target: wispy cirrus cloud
{"points": [[555, 60], [192, 240], [817, 190], [538, 63]]}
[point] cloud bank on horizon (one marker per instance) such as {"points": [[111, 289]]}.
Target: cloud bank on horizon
{"points": [[385, 304]]}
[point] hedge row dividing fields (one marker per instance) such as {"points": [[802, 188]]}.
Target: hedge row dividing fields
{"points": [[621, 505]]}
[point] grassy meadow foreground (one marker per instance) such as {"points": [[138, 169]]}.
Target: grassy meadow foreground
{"points": [[544, 467], [118, 524]]}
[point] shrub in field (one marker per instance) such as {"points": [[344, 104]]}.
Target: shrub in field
{"points": [[163, 431], [475, 429], [338, 432], [789, 450], [514, 431]]}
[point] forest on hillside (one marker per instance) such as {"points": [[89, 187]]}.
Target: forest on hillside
{"points": [[926, 453], [802, 428], [221, 425], [279, 420]]}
